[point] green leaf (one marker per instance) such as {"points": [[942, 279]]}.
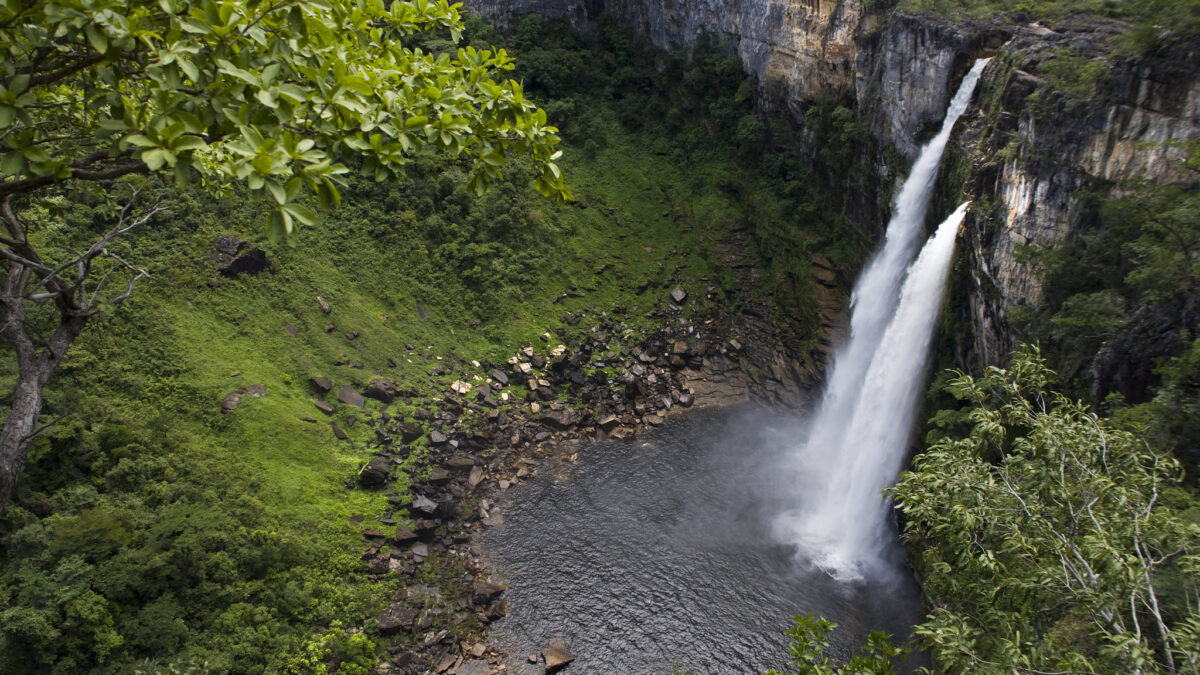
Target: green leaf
{"points": [[96, 38]]}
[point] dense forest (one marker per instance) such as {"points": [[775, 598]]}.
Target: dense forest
{"points": [[153, 529]]}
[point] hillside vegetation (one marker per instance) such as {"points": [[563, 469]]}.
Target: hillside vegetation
{"points": [[151, 531]]}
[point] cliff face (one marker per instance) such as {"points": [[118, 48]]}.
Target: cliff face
{"points": [[1030, 150]]}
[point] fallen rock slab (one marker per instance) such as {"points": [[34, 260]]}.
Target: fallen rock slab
{"points": [[397, 616]]}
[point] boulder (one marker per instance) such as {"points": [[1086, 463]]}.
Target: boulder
{"points": [[410, 431], [375, 474], [556, 659], [234, 257], [231, 400], [396, 617], [608, 422], [321, 384], [559, 420], [484, 592], [350, 396], [499, 376], [381, 390]]}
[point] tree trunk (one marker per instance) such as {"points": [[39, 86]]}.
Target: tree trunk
{"points": [[34, 369]]}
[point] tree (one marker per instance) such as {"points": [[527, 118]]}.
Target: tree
{"points": [[809, 642], [279, 95], [1049, 538]]}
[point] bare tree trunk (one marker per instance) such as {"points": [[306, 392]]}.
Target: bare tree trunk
{"points": [[34, 370]]}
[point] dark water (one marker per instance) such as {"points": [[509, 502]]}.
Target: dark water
{"points": [[659, 551]]}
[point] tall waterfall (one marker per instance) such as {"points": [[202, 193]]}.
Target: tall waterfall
{"points": [[860, 434]]}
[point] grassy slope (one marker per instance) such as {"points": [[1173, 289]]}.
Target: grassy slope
{"points": [[226, 538]]}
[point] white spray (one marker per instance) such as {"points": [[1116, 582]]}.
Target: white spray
{"points": [[859, 436]]}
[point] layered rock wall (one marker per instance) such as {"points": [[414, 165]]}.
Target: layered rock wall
{"points": [[1030, 151]]}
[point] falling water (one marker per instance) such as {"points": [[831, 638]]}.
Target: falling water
{"points": [[860, 434]]}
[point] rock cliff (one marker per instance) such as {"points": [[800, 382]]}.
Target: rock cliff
{"points": [[1028, 153]]}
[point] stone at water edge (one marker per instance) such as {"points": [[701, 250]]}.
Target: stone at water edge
{"points": [[483, 592], [474, 667], [558, 643], [556, 659]]}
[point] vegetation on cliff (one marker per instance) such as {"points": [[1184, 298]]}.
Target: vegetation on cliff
{"points": [[151, 531]]}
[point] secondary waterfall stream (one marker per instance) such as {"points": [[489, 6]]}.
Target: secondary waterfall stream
{"points": [[672, 549], [859, 437]]}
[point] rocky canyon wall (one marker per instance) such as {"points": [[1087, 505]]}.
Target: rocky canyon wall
{"points": [[1030, 150]]}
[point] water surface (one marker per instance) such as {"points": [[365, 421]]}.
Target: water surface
{"points": [[659, 551]]}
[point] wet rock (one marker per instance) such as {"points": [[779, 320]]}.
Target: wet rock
{"points": [[685, 399], [381, 390], [484, 592], [396, 617], [608, 422], [556, 659], [474, 667], [558, 643], [350, 396], [375, 474], [321, 384]]}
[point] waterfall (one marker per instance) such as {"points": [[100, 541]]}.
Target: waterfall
{"points": [[859, 436]]}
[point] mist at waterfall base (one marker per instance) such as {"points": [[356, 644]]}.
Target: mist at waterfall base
{"points": [[859, 437], [659, 551]]}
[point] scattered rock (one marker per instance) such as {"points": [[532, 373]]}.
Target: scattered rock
{"points": [[474, 667], [499, 376], [323, 407], [338, 432], [679, 295], [424, 505], [608, 422], [324, 305], [231, 400], [476, 477], [460, 463], [321, 384], [411, 431], [381, 390], [559, 420], [257, 390], [437, 438], [235, 257], [404, 534], [375, 474], [395, 617], [483, 592], [556, 659], [350, 396]]}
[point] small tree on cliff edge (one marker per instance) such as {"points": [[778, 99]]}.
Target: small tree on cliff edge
{"points": [[275, 94]]}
